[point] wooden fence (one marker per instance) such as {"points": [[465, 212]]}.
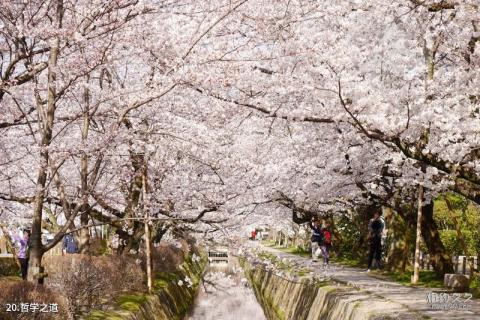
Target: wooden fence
{"points": [[283, 240], [461, 264]]}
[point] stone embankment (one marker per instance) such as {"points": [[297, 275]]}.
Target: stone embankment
{"points": [[172, 299], [291, 287], [306, 298]]}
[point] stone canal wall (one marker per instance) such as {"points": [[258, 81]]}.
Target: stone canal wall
{"points": [[310, 299]]}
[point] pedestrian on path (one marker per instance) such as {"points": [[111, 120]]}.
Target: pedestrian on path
{"points": [[317, 238], [327, 242], [24, 252], [375, 230]]}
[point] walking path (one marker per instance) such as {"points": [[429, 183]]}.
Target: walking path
{"points": [[413, 298]]}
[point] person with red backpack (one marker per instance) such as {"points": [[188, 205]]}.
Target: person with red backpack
{"points": [[327, 243], [317, 238]]}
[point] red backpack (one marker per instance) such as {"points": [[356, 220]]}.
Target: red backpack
{"points": [[327, 236]]}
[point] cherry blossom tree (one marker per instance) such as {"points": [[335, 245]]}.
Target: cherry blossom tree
{"points": [[227, 115]]}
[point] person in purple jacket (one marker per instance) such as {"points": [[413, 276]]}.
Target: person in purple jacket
{"points": [[23, 253]]}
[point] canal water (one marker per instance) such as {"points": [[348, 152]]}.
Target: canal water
{"points": [[225, 294]]}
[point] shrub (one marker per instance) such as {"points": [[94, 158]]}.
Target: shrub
{"points": [[475, 285], [8, 267], [98, 246], [166, 258], [351, 237], [452, 245], [87, 282], [18, 292]]}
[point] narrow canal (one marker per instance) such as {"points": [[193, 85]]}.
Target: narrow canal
{"points": [[225, 293]]}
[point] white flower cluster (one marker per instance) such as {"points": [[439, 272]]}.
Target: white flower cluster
{"points": [[189, 282], [195, 258]]}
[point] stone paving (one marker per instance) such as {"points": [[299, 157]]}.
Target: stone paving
{"points": [[415, 299]]}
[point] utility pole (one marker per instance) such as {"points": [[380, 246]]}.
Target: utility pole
{"points": [[148, 248], [416, 265]]}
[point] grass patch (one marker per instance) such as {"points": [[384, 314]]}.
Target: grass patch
{"points": [[475, 286], [328, 288], [159, 284], [131, 302], [275, 260], [162, 279], [282, 265], [268, 243], [11, 278], [103, 315], [322, 283], [299, 251], [347, 261], [426, 278], [296, 251], [285, 266], [302, 272]]}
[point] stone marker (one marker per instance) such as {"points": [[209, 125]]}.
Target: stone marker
{"points": [[457, 282]]}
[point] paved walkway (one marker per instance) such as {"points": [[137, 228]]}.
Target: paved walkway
{"points": [[415, 299]]}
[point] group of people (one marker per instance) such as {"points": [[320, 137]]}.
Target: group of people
{"points": [[258, 234], [322, 240], [69, 245]]}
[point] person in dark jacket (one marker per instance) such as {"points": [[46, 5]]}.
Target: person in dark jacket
{"points": [[69, 244], [317, 238], [375, 230]]}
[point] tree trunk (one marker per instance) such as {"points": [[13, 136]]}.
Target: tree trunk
{"points": [[132, 242], [439, 259], [361, 220], [47, 120], [84, 234], [409, 218], [36, 251], [398, 235]]}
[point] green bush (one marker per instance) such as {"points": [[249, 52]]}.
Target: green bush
{"points": [[453, 246], [467, 216], [350, 236], [475, 285], [98, 247]]}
